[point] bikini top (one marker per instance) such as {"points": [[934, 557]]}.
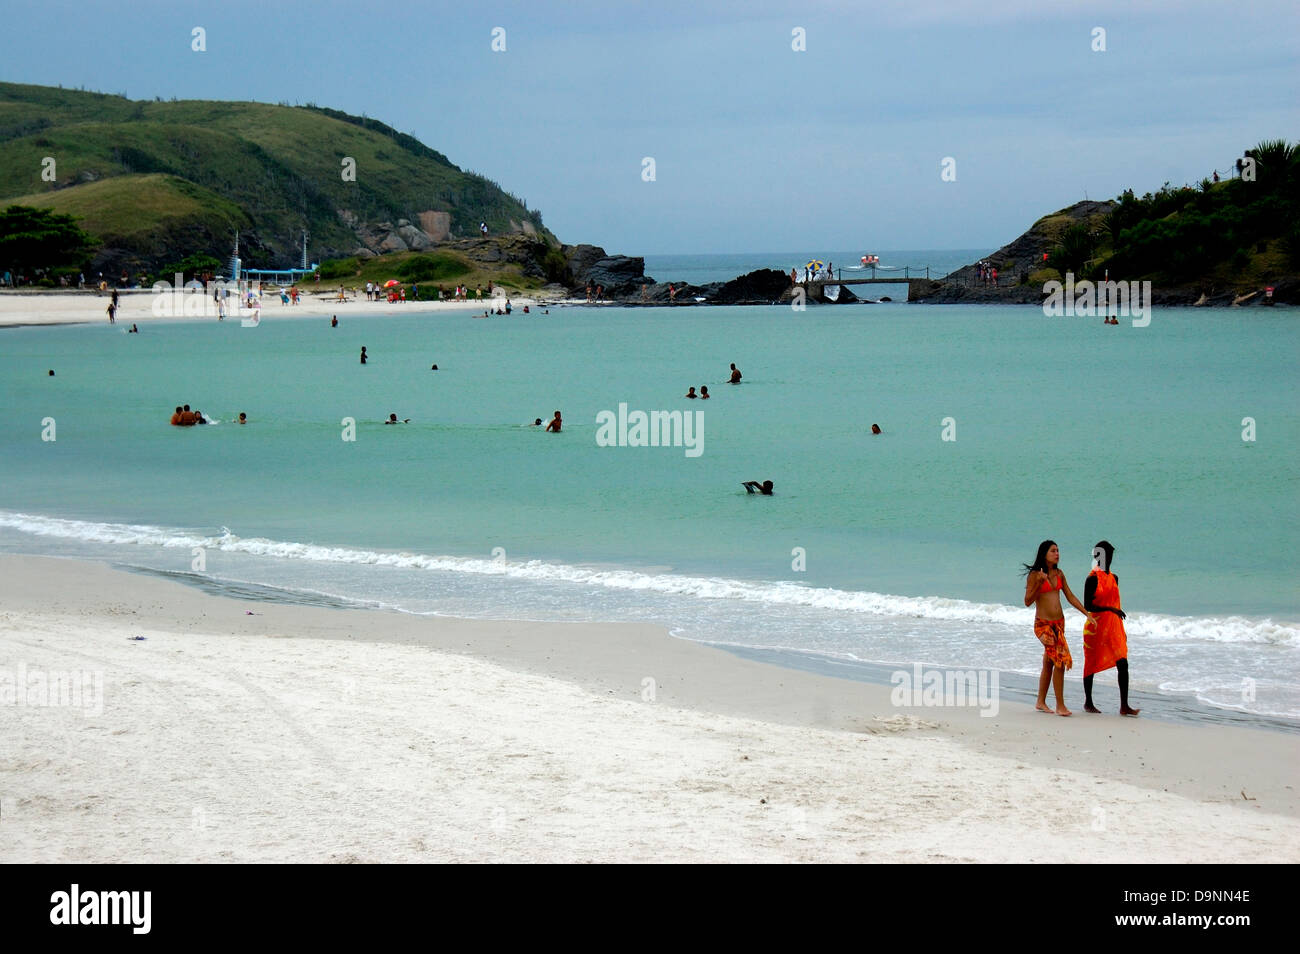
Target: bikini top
{"points": [[1047, 586]]}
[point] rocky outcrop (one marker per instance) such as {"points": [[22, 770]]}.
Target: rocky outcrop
{"points": [[619, 275], [762, 287], [1025, 255]]}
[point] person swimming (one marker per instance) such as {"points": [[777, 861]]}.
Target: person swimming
{"points": [[392, 419], [735, 375], [691, 393], [334, 322], [875, 428], [133, 330], [754, 487], [555, 424], [536, 423], [243, 418], [177, 418], [704, 392], [433, 368]]}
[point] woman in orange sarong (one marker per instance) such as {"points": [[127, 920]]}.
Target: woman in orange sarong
{"points": [[1105, 643], [1044, 584]]}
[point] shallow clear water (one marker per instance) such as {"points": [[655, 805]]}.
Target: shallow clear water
{"points": [[1064, 428]]}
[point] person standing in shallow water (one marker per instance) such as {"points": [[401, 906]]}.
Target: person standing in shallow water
{"points": [[363, 354], [1044, 584], [1105, 642]]}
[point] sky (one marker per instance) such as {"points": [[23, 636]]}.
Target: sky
{"points": [[757, 145]]}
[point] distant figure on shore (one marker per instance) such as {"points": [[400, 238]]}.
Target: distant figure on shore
{"points": [[392, 419], [672, 292], [334, 322], [735, 375], [875, 428], [112, 312], [243, 418], [754, 487], [363, 354], [555, 424], [704, 392], [690, 393], [1044, 583], [1105, 642]]}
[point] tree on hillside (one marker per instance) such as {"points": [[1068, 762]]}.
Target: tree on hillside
{"points": [[40, 238]]}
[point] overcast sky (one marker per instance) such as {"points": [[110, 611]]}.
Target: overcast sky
{"points": [[756, 146]]}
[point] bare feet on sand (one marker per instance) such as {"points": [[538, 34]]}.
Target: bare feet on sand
{"points": [[1089, 707], [1129, 711], [1042, 707], [1062, 711]]}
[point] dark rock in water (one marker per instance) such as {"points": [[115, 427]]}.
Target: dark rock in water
{"points": [[762, 287], [885, 298], [620, 275]]}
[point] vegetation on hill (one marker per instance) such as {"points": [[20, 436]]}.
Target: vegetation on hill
{"points": [[30, 238], [1235, 233], [157, 181]]}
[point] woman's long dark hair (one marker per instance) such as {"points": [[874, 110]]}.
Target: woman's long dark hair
{"points": [[1040, 561]]}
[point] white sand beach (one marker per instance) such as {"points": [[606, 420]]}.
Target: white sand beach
{"points": [[324, 735], [136, 306]]}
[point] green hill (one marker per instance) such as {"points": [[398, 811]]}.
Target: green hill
{"points": [[157, 181]]}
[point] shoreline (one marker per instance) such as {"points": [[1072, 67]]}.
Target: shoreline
{"points": [[83, 307], [853, 777], [21, 308]]}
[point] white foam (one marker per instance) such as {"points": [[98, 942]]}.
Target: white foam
{"points": [[1230, 629]]}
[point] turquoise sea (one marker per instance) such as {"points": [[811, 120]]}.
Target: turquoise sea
{"points": [[874, 551]]}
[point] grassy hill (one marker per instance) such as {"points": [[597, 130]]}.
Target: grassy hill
{"points": [[162, 180]]}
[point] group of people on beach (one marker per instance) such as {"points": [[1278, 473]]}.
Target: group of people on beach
{"points": [[1105, 642], [987, 273]]}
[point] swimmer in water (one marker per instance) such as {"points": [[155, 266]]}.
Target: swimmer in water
{"points": [[875, 428], [433, 368], [334, 322], [754, 487], [133, 330], [735, 376], [177, 420], [704, 392], [555, 424], [536, 423], [691, 393], [392, 419], [363, 354], [243, 418]]}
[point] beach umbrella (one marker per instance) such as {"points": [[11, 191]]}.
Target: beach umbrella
{"points": [[816, 264], [391, 282]]}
